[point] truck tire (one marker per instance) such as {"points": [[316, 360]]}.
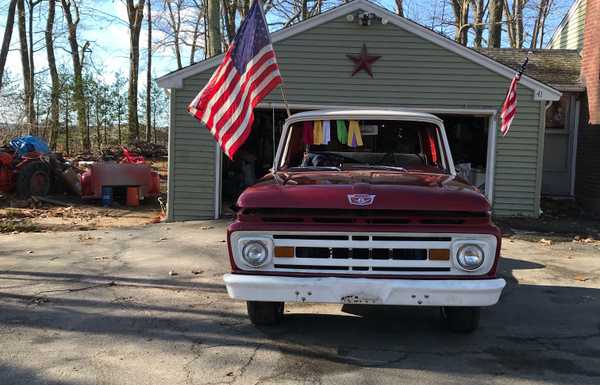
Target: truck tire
{"points": [[33, 179], [461, 319], [265, 313]]}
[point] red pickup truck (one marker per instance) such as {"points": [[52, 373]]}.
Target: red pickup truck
{"points": [[364, 207]]}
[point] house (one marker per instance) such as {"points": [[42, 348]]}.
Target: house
{"points": [[580, 31], [418, 68]]}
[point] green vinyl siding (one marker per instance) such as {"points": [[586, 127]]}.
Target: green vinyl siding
{"points": [[570, 33], [191, 191], [412, 72]]}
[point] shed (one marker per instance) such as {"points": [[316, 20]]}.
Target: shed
{"points": [[417, 69]]}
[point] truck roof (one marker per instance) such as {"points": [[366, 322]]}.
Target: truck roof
{"points": [[365, 114]]}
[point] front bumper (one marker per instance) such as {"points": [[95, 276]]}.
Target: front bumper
{"points": [[480, 292]]}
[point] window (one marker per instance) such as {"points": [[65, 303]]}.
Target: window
{"points": [[558, 114]]}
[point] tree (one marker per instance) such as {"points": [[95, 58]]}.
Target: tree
{"points": [[8, 30], [478, 26], [55, 86], [26, 66], [214, 28], [461, 20], [71, 12], [495, 23], [149, 75], [400, 7], [514, 22], [181, 25], [539, 26], [135, 15], [119, 103]]}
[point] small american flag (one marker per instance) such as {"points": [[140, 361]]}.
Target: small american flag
{"points": [[509, 108], [247, 74]]}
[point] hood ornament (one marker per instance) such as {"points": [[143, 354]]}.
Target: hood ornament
{"points": [[361, 199]]}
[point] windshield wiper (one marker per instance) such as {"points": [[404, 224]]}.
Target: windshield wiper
{"points": [[380, 167], [391, 168], [314, 168]]}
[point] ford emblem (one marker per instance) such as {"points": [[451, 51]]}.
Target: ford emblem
{"points": [[361, 199]]}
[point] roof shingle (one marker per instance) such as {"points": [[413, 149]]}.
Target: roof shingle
{"points": [[559, 68]]}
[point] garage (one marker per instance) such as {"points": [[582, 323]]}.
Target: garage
{"points": [[468, 137], [416, 69]]}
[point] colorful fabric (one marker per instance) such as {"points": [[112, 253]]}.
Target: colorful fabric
{"points": [[342, 131], [249, 71], [318, 132], [326, 132], [354, 136], [307, 133]]}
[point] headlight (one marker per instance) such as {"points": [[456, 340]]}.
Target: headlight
{"points": [[255, 253], [470, 257]]}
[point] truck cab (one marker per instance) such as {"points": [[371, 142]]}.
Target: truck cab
{"points": [[364, 207]]}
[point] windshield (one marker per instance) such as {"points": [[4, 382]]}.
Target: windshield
{"points": [[396, 146]]}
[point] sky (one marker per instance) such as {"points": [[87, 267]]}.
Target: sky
{"points": [[104, 25]]}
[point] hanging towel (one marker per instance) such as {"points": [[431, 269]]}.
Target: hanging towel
{"points": [[342, 131], [354, 136], [326, 132], [307, 133], [318, 132]]}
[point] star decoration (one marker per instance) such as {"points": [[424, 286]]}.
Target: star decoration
{"points": [[364, 61]]}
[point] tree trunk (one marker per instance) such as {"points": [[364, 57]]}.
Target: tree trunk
{"points": [[461, 21], [176, 25], [214, 28], [195, 35], [135, 13], [400, 7], [31, 100], [229, 12], [537, 37], [149, 77], [8, 30], [55, 87], [67, 150], [26, 69], [477, 22], [496, 8], [78, 94]]}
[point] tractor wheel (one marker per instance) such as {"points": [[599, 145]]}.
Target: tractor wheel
{"points": [[33, 179]]}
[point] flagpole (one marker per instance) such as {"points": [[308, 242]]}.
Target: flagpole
{"points": [[285, 102]]}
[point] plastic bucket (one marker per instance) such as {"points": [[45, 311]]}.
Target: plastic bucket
{"points": [[107, 196], [133, 196]]}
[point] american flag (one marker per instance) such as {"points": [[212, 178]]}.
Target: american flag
{"points": [[247, 74], [509, 108]]}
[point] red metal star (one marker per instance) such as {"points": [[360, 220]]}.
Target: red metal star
{"points": [[364, 61]]}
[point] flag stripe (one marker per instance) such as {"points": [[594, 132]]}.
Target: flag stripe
{"points": [[226, 123], [263, 89], [230, 106], [509, 107]]}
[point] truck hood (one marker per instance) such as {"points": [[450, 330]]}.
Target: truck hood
{"points": [[390, 191]]}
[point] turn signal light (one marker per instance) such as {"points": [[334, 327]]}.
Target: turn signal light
{"points": [[284, 252], [439, 255]]}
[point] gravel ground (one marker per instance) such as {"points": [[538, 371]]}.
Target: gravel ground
{"points": [[147, 305]]}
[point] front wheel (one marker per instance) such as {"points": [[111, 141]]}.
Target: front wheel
{"points": [[461, 319], [265, 313]]}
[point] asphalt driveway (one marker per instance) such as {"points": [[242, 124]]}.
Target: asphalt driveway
{"points": [[148, 306]]}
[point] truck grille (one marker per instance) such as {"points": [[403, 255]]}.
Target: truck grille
{"points": [[361, 253]]}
